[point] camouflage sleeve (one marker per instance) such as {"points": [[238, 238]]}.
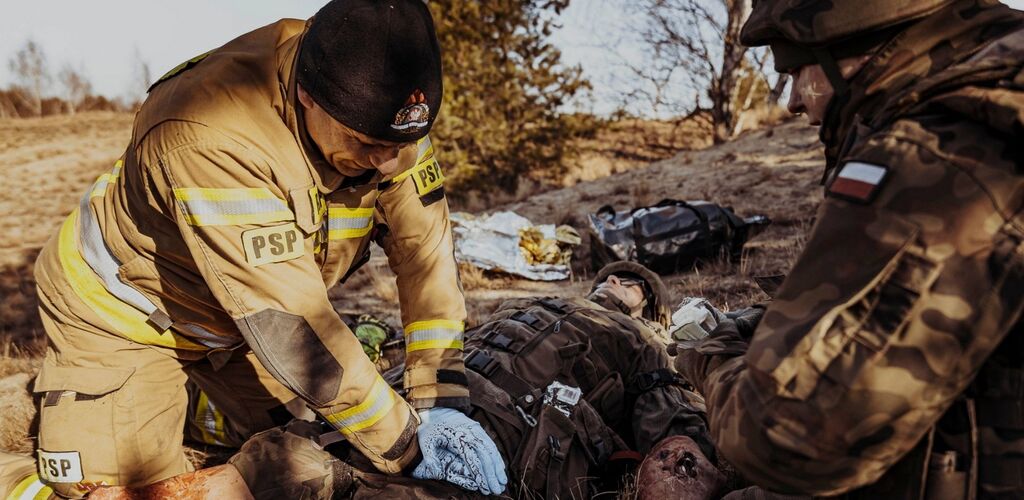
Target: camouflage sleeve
{"points": [[910, 279]]}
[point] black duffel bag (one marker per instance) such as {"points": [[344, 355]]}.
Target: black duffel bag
{"points": [[670, 236]]}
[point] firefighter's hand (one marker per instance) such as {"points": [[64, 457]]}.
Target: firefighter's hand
{"points": [[456, 449]]}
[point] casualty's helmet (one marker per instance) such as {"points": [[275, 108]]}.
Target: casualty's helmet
{"points": [[797, 30], [658, 298]]}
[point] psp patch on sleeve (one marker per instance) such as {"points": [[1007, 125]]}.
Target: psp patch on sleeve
{"points": [[858, 182], [60, 466], [272, 244], [427, 176]]}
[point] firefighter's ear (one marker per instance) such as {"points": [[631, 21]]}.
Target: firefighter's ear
{"points": [[304, 98]]}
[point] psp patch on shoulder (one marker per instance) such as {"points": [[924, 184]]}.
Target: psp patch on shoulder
{"points": [[427, 176], [60, 466], [858, 182], [272, 244]]}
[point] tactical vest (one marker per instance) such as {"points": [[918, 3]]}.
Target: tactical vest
{"points": [[553, 443]]}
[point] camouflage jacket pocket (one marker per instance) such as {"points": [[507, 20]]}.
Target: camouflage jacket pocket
{"points": [[856, 329]]}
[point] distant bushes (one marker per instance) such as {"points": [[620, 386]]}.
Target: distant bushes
{"points": [[14, 104]]}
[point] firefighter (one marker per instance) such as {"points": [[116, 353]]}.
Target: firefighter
{"points": [[256, 178]]}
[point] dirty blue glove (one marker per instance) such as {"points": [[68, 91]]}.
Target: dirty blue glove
{"points": [[456, 449]]}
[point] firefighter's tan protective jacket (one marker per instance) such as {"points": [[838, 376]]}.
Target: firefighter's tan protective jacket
{"points": [[222, 225]]}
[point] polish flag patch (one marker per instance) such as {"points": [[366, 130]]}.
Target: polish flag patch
{"points": [[858, 181]]}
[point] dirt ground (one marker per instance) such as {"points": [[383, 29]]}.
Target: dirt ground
{"points": [[46, 164]]}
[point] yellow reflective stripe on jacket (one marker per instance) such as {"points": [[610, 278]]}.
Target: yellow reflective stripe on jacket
{"points": [[345, 223], [423, 158], [210, 421], [378, 402], [434, 334], [30, 488], [231, 206], [99, 188], [126, 321]]}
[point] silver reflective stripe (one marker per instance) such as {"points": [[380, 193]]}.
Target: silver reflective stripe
{"points": [[424, 148], [96, 253], [204, 336], [103, 262], [235, 207], [334, 223], [434, 334], [379, 400]]}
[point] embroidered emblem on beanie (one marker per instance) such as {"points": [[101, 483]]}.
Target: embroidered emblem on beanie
{"points": [[414, 115]]}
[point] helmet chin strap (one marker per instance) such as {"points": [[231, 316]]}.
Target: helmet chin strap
{"points": [[831, 69], [840, 94]]}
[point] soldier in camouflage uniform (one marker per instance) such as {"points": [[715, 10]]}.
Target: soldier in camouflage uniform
{"points": [[890, 363]]}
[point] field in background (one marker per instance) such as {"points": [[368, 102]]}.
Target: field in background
{"points": [[47, 164]]}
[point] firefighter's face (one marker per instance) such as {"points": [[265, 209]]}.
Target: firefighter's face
{"points": [[350, 152]]}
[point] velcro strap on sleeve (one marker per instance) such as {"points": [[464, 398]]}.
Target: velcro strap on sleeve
{"points": [[452, 377], [418, 377]]}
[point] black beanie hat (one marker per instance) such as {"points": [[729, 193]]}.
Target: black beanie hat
{"points": [[375, 66]]}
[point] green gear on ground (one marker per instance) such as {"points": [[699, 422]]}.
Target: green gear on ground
{"points": [[372, 333]]}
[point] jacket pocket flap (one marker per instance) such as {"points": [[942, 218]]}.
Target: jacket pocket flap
{"points": [[93, 381]]}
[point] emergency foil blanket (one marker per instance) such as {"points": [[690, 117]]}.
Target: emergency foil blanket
{"points": [[495, 242]]}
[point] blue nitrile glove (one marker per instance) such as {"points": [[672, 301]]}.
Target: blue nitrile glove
{"points": [[456, 449]]}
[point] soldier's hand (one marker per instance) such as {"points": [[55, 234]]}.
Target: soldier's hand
{"points": [[747, 319], [456, 449]]}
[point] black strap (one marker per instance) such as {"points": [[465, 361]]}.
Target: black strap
{"points": [[656, 378], [524, 394], [452, 377], [554, 473], [495, 338], [606, 212], [52, 398], [831, 69]]}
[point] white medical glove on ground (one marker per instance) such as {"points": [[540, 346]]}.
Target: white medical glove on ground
{"points": [[456, 449]]}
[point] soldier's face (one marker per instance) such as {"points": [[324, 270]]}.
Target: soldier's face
{"points": [[812, 90], [811, 93], [630, 294], [350, 152]]}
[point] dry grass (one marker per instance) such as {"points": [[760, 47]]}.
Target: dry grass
{"points": [[761, 117], [18, 409], [620, 147]]}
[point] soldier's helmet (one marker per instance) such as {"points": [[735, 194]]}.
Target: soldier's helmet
{"points": [[658, 298], [798, 30]]}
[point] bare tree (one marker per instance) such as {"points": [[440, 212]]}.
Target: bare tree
{"points": [[142, 78], [29, 67], [76, 87], [693, 61]]}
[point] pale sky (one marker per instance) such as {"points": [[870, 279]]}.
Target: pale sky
{"points": [[102, 36]]}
